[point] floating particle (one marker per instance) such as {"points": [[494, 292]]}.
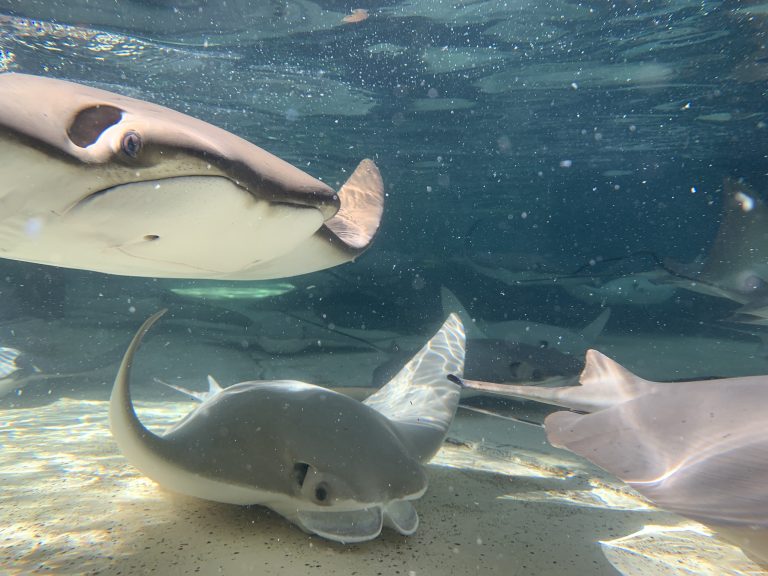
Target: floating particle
{"points": [[358, 15]]}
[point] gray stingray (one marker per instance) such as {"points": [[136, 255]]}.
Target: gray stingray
{"points": [[334, 466], [524, 332], [640, 289], [697, 448], [501, 360], [16, 371], [95, 180], [736, 265]]}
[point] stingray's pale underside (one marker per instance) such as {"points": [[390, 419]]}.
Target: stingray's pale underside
{"points": [[98, 181]]}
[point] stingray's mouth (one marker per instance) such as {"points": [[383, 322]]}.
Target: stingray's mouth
{"points": [[141, 186], [181, 226], [360, 525]]}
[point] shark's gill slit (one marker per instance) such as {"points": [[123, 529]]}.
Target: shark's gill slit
{"points": [[91, 122]]}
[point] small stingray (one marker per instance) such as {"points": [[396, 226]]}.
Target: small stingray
{"points": [[500, 360], [697, 448], [639, 289], [525, 332], [334, 466], [16, 371]]}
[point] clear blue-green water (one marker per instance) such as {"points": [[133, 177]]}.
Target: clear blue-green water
{"points": [[544, 161]]}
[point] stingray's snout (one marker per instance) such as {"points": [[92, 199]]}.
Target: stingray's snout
{"points": [[456, 380]]}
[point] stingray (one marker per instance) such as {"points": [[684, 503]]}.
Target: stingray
{"points": [[736, 265], [640, 289], [17, 371], [99, 181], [500, 360], [334, 466], [697, 448], [530, 333]]}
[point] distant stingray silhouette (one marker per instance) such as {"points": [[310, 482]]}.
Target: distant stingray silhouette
{"points": [[736, 266]]}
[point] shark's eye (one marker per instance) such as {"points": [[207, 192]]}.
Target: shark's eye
{"points": [[131, 144]]}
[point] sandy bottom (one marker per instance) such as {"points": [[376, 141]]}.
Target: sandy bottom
{"points": [[501, 501]]}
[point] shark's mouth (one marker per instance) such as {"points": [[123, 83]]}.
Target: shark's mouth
{"points": [[351, 526]]}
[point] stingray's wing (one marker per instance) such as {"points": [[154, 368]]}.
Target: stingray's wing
{"points": [[696, 448], [214, 388], [8, 361], [452, 305], [420, 400], [592, 330]]}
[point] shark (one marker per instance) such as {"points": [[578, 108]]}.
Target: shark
{"points": [[99, 181], [696, 448], [334, 466]]}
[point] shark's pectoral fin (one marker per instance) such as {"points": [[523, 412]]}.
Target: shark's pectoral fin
{"points": [[347, 526], [401, 516]]}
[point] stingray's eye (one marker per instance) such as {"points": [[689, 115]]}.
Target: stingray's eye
{"points": [[131, 144], [543, 344], [321, 493]]}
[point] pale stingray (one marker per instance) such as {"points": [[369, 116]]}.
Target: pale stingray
{"points": [[697, 448], [95, 180], [334, 466]]}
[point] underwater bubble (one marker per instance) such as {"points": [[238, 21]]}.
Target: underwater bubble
{"points": [[33, 226]]}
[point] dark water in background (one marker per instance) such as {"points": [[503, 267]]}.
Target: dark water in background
{"points": [[545, 134]]}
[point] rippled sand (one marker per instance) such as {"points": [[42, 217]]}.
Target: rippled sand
{"points": [[501, 501]]}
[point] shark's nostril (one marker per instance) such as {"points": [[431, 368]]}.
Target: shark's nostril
{"points": [[151, 237]]}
